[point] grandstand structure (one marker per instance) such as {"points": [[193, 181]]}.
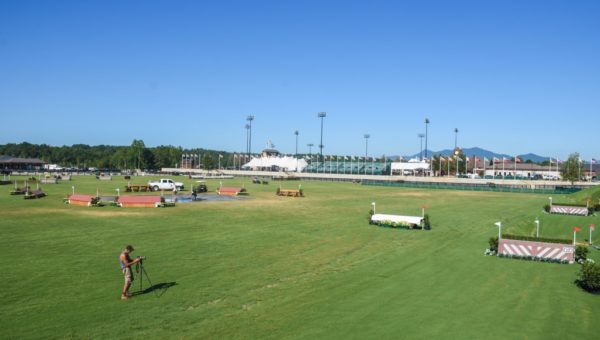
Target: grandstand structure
{"points": [[349, 166]]}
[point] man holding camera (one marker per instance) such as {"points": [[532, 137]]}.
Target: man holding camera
{"points": [[125, 262]]}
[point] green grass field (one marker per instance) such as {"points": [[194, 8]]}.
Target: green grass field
{"points": [[278, 267]]}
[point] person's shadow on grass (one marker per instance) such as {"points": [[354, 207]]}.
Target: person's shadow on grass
{"points": [[159, 289]]}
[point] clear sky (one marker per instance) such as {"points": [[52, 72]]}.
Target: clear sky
{"points": [[512, 76]]}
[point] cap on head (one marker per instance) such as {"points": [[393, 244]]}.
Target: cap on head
{"points": [[129, 247]]}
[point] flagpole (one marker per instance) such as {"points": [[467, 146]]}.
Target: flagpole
{"points": [[440, 159], [494, 168], [384, 163], [502, 168], [448, 163], [515, 177], [483, 167], [457, 169], [591, 169]]}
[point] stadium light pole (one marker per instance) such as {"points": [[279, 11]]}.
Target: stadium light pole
{"points": [[321, 115], [367, 136], [455, 138], [420, 135], [426, 134], [310, 145], [250, 118], [247, 139], [296, 133]]}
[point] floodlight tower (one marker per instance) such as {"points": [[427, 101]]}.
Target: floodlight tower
{"points": [[367, 136], [321, 115], [296, 133], [310, 145], [455, 138], [421, 135], [247, 139], [426, 135], [250, 118]]}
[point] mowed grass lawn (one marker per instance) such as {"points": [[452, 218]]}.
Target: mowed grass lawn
{"points": [[279, 267]]}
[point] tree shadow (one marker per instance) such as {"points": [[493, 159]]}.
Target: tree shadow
{"points": [[159, 289]]}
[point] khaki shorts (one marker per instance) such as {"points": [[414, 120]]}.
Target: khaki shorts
{"points": [[128, 275]]}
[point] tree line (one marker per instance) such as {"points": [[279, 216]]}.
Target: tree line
{"points": [[134, 156]]}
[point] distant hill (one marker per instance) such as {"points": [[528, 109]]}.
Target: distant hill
{"points": [[479, 152]]}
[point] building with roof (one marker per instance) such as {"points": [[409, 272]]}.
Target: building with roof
{"points": [[9, 163]]}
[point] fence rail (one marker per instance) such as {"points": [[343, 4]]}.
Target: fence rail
{"points": [[472, 187]]}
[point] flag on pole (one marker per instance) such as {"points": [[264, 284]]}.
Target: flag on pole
{"points": [[442, 159], [220, 156], [593, 161], [498, 224], [505, 160], [576, 229], [496, 160], [517, 159]]}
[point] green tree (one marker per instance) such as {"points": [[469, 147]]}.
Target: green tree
{"points": [[572, 168], [166, 156], [207, 161], [135, 152], [589, 277]]}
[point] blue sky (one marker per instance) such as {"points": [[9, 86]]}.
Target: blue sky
{"points": [[512, 76]]}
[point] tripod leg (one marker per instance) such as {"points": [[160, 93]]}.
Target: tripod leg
{"points": [[141, 276], [150, 282], [147, 277]]}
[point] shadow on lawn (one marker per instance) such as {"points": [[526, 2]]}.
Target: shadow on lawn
{"points": [[159, 289]]}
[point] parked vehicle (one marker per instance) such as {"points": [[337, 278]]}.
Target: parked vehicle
{"points": [[165, 184]]}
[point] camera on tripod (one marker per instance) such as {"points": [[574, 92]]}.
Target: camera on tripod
{"points": [[141, 258]]}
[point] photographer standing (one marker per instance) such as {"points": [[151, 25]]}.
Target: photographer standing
{"points": [[125, 262]]}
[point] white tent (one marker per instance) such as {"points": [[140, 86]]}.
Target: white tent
{"points": [[411, 166], [284, 163]]}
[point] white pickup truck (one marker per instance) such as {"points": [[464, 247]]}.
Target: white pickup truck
{"points": [[165, 184]]}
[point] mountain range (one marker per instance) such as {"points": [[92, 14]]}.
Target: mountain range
{"points": [[479, 152]]}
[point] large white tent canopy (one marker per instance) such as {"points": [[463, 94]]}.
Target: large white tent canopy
{"points": [[284, 163], [412, 165]]}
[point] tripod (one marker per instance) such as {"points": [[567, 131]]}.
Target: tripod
{"points": [[142, 271]]}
